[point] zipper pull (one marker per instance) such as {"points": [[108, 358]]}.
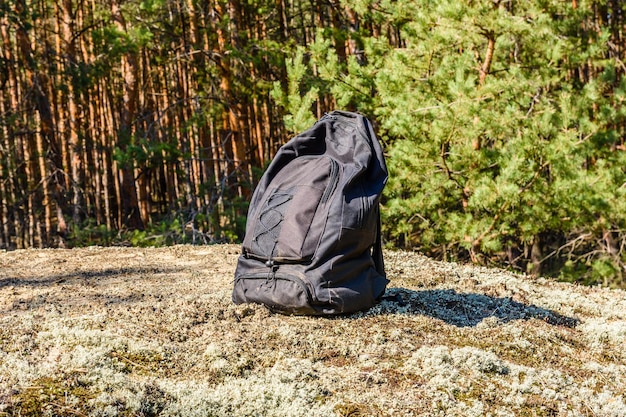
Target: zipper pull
{"points": [[325, 117], [270, 280]]}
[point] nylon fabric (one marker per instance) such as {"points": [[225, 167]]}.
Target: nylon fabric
{"points": [[313, 243]]}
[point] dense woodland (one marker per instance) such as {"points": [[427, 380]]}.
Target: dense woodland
{"points": [[148, 122]]}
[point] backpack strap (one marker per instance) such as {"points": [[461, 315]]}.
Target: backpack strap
{"points": [[377, 250]]}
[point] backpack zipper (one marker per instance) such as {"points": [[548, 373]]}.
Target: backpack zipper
{"points": [[332, 180], [326, 116], [276, 259]]}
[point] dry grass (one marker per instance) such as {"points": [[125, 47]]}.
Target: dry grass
{"points": [[152, 332]]}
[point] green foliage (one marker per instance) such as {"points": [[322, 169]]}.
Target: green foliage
{"points": [[90, 233], [181, 227], [514, 169], [298, 108], [59, 395], [147, 153]]}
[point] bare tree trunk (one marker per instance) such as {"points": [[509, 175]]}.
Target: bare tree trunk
{"points": [[536, 255], [4, 202], [8, 109], [72, 118], [37, 82], [233, 114], [131, 216], [486, 67]]}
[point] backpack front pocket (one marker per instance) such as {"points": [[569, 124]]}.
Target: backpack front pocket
{"points": [[281, 293], [288, 223]]}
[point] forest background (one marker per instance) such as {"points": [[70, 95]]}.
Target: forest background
{"points": [[148, 122]]}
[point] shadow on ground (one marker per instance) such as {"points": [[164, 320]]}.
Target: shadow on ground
{"points": [[83, 276], [465, 309]]}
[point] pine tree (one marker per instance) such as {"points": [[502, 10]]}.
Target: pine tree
{"points": [[496, 152]]}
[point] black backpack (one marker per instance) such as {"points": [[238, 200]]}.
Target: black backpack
{"points": [[312, 243]]}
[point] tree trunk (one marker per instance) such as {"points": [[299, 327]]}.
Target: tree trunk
{"points": [[486, 67], [72, 117], [131, 216], [232, 134]]}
